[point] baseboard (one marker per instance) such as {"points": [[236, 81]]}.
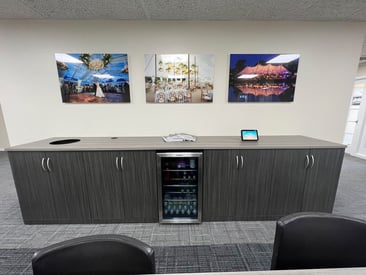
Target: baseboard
{"points": [[358, 156]]}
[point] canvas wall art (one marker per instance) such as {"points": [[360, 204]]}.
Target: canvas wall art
{"points": [[262, 77], [93, 78], [179, 78]]}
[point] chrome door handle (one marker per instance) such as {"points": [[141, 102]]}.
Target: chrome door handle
{"points": [[312, 160], [307, 161], [117, 163], [48, 165], [42, 164], [237, 162], [121, 161], [242, 162]]}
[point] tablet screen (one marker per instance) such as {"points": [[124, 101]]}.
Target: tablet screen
{"points": [[249, 135]]}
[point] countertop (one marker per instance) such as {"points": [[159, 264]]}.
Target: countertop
{"points": [[157, 143]]}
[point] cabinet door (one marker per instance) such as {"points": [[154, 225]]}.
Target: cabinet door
{"points": [[254, 184], [220, 185], [122, 186], [139, 186], [67, 177], [288, 182], [33, 187], [104, 186], [322, 179]]}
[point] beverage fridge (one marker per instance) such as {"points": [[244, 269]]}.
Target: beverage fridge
{"points": [[179, 186]]}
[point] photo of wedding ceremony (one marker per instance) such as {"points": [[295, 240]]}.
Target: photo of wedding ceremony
{"points": [[93, 78], [179, 78]]}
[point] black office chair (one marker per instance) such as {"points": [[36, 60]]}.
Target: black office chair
{"points": [[97, 254], [319, 240]]}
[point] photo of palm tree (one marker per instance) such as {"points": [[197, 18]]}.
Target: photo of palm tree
{"points": [[179, 78]]}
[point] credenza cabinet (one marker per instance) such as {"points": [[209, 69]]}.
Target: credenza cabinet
{"points": [[236, 184], [322, 179], [51, 186], [86, 187], [122, 186], [267, 184], [247, 181], [304, 180]]}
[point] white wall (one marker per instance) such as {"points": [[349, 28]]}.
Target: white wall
{"points": [[4, 141], [31, 99]]}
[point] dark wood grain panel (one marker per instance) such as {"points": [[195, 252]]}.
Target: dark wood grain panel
{"points": [[254, 184], [233, 191], [139, 186], [68, 179], [122, 186], [288, 182], [104, 186], [33, 187], [220, 185], [322, 180]]}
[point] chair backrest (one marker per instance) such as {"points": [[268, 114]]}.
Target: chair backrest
{"points": [[319, 240], [97, 254], [160, 96]]}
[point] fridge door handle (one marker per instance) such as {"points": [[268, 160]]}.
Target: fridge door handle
{"points": [[117, 163]]}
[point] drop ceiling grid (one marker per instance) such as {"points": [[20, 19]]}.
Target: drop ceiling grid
{"points": [[308, 10]]}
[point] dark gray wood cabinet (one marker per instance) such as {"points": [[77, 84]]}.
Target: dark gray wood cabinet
{"points": [[50, 186], [104, 186], [33, 187], [140, 186], [247, 181], [122, 186], [305, 180], [268, 184], [236, 184], [288, 182], [219, 185], [322, 179], [86, 187], [67, 176], [255, 177]]}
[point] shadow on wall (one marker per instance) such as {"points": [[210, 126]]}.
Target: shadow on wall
{"points": [[4, 140]]}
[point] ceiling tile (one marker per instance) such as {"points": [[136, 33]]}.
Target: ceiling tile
{"points": [[311, 10], [10, 9], [336, 10], [116, 9], [90, 9], [195, 10]]}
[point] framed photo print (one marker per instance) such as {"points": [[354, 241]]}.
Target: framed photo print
{"points": [[93, 77], [262, 77]]}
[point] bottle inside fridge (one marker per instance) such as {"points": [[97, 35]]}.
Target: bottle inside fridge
{"points": [[179, 178]]}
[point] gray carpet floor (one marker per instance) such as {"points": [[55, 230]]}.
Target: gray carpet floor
{"points": [[205, 247]]}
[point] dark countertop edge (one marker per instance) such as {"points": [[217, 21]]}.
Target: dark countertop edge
{"points": [[202, 143]]}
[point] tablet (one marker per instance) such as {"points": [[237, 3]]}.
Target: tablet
{"points": [[250, 135]]}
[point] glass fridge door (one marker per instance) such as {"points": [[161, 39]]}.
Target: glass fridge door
{"points": [[180, 187]]}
